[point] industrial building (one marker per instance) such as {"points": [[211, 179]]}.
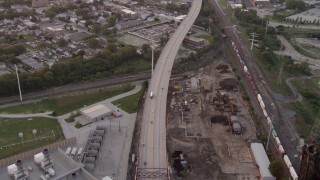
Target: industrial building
{"points": [[262, 160], [261, 3], [194, 42], [128, 24], [95, 113]]}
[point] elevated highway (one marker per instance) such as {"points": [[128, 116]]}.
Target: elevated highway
{"points": [[153, 159]]}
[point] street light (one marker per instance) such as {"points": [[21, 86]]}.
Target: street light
{"points": [[152, 58]]}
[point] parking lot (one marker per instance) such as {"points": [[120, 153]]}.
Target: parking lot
{"points": [[154, 33]]}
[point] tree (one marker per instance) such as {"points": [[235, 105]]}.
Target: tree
{"points": [[62, 42], [93, 43], [112, 21], [296, 4], [112, 47], [96, 29], [275, 168]]}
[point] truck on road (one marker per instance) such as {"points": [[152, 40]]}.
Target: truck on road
{"points": [[151, 94]]}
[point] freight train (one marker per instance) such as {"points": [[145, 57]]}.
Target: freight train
{"points": [[265, 113]]}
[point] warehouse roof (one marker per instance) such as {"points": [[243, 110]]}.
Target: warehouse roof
{"points": [[262, 161], [96, 111]]}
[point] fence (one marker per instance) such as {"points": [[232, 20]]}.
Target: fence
{"points": [[29, 154]]}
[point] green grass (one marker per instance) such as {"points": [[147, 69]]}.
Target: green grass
{"points": [[78, 125], [69, 103], [130, 103], [204, 36], [302, 50], [11, 127], [133, 66], [28, 37], [71, 119], [307, 110]]}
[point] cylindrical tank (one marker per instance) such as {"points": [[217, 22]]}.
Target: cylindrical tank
{"points": [[92, 152], [99, 132], [12, 169], [38, 158], [89, 159], [97, 138], [89, 166], [96, 145]]}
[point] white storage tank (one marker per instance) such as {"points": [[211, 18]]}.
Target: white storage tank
{"points": [[12, 169], [38, 158]]}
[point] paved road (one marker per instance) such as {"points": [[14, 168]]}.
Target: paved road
{"points": [[295, 55], [285, 129], [152, 146], [275, 24], [45, 115]]}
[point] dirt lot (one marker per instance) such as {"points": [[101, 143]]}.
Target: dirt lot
{"points": [[199, 127]]}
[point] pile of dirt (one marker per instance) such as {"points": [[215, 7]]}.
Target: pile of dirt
{"points": [[228, 84], [224, 71], [219, 119], [222, 66]]}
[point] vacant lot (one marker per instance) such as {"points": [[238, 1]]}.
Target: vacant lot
{"points": [[48, 131], [63, 104]]}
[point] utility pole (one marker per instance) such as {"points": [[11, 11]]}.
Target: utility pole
{"points": [[315, 123], [18, 82], [280, 74], [267, 22], [268, 139], [152, 58]]}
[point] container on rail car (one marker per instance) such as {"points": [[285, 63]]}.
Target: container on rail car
{"points": [[287, 161], [293, 173]]}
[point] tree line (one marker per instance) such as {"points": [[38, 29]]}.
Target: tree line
{"points": [[70, 71]]}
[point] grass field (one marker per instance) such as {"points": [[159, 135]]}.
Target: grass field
{"points": [[130, 103], [11, 127], [69, 103], [204, 36]]}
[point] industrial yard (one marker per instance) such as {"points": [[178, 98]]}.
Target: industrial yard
{"points": [[209, 127]]}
